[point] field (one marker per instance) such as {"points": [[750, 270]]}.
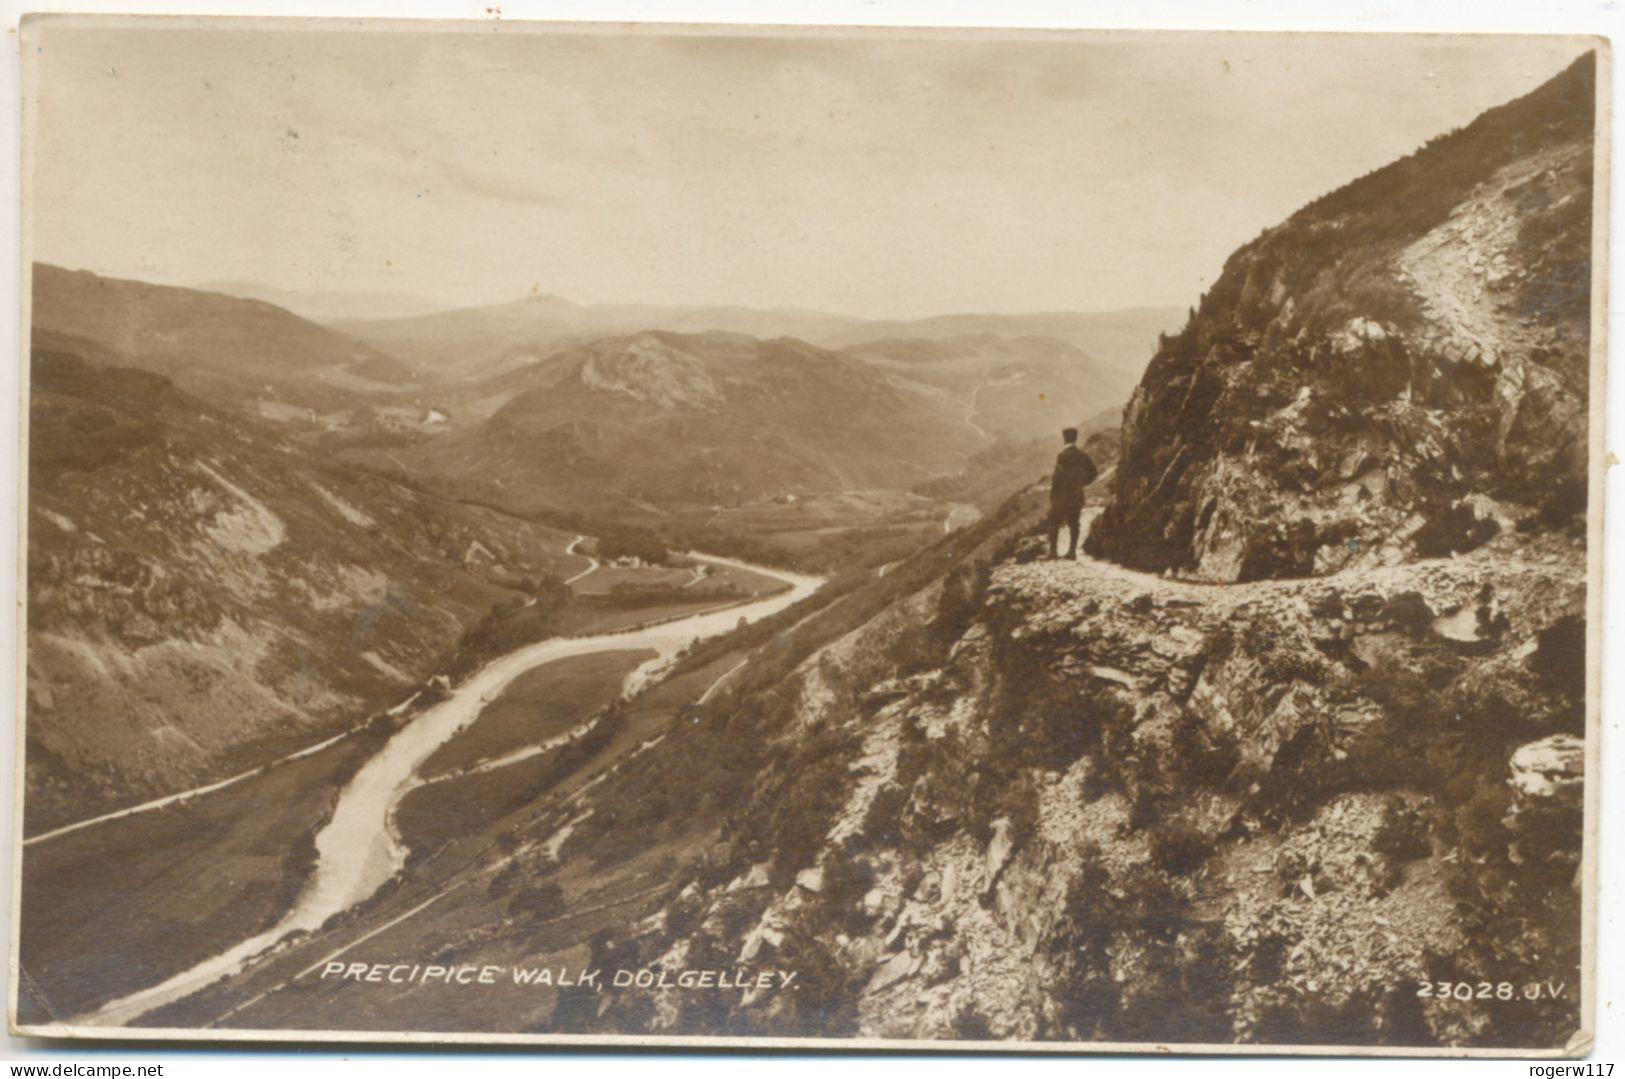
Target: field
{"points": [[607, 578], [540, 704], [122, 905], [495, 916], [846, 509]]}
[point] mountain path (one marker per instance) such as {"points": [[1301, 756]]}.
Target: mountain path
{"points": [[1075, 576], [571, 550], [975, 395]]}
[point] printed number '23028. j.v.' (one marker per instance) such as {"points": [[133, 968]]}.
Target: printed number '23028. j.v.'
{"points": [[1491, 990]]}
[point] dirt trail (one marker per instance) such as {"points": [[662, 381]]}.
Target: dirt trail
{"points": [[1076, 576], [1456, 268], [571, 550], [975, 395]]}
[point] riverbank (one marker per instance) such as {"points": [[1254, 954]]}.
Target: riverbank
{"points": [[356, 851], [108, 909]]}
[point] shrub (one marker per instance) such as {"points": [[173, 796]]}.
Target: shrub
{"points": [[1178, 848], [1086, 993], [880, 822], [825, 1000], [846, 880], [628, 541], [1560, 654], [538, 902], [970, 1025], [798, 807]]}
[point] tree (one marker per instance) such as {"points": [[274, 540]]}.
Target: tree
{"points": [[630, 541]]}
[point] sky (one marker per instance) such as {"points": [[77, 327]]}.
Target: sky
{"points": [[879, 174]]}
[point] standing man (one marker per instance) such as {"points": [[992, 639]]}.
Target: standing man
{"points": [[1074, 470]]}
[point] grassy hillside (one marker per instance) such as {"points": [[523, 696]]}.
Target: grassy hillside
{"points": [[1119, 341], [664, 418], [230, 350], [203, 594]]}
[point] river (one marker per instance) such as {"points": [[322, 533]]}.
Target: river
{"points": [[358, 850]]}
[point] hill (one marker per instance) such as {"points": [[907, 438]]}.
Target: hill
{"points": [[230, 350], [472, 342], [202, 593], [328, 306], [1012, 388], [1117, 341], [1399, 368], [666, 418]]}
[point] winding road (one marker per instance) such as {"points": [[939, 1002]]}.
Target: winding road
{"points": [[359, 849], [975, 395], [209, 788], [572, 551]]}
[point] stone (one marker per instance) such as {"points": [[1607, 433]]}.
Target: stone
{"points": [[1409, 611], [998, 852], [1367, 606], [1548, 791], [758, 937], [1551, 768], [1115, 676], [893, 970]]}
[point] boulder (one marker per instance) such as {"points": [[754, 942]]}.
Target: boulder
{"points": [[1548, 795], [1409, 611]]}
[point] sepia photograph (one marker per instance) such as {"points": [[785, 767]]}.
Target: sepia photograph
{"points": [[809, 537]]}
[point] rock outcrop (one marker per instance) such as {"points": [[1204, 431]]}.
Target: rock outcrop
{"points": [[1110, 806], [1398, 369]]}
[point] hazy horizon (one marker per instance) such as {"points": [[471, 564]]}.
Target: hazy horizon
{"points": [[892, 174], [244, 287]]}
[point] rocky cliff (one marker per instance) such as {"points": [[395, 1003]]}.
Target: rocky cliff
{"points": [[1398, 369], [1072, 801]]}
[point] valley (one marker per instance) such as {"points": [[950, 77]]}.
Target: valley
{"points": [[330, 822], [665, 642], [769, 447]]}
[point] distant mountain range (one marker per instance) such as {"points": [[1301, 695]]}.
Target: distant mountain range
{"points": [[321, 306], [663, 417], [472, 341], [546, 403]]}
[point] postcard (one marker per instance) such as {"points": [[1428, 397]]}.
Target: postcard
{"points": [[785, 536]]}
